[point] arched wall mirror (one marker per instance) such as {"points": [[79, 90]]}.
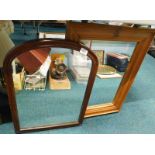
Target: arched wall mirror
{"points": [[49, 83], [120, 51]]}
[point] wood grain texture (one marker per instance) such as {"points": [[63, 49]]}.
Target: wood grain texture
{"points": [[38, 44], [90, 31], [100, 109]]}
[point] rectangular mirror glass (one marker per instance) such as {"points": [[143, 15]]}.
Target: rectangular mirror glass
{"points": [[113, 57]]}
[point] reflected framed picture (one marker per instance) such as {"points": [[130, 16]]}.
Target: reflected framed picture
{"points": [[100, 56]]}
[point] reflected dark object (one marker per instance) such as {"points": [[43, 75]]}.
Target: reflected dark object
{"points": [[5, 113], [59, 72], [2, 82], [118, 61], [152, 51], [19, 68]]}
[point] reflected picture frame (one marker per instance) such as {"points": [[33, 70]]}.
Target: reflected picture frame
{"points": [[38, 44], [91, 31], [100, 56]]}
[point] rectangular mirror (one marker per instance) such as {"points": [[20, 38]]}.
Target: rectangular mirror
{"points": [[113, 57], [109, 94]]}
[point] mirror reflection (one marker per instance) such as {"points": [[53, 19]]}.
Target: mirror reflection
{"points": [[113, 57], [50, 85]]}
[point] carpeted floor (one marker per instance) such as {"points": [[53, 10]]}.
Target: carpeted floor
{"points": [[137, 114]]}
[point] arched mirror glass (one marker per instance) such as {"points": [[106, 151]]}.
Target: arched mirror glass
{"points": [[51, 86]]}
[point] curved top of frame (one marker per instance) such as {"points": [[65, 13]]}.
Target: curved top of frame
{"points": [[43, 43]]}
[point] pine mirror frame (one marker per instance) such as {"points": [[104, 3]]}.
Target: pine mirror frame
{"points": [[44, 43], [91, 31]]}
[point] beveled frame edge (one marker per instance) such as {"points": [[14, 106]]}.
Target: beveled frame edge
{"points": [[100, 109], [43, 43], [143, 38]]}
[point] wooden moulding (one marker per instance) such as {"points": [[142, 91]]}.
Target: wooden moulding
{"points": [[100, 109], [90, 31], [38, 44]]}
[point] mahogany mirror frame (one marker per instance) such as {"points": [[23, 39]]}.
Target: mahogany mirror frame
{"points": [[91, 31], [44, 43]]}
